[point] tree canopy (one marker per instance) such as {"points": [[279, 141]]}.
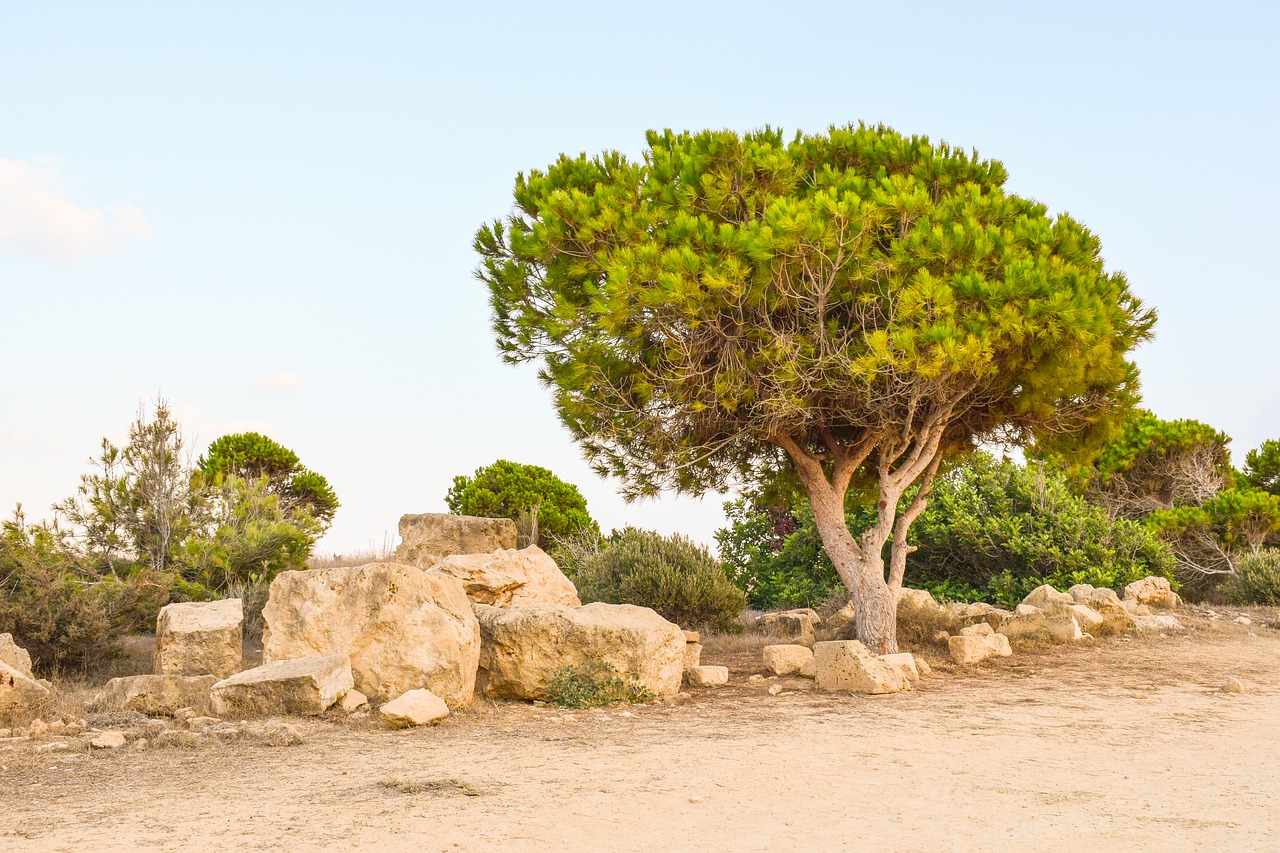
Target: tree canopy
{"points": [[252, 456], [854, 302], [544, 507]]}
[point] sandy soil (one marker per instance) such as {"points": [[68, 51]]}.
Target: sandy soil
{"points": [[1116, 746]]}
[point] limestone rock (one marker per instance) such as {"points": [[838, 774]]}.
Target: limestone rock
{"points": [[1153, 592], [1115, 618], [977, 647], [18, 692], [692, 654], [1232, 685], [981, 629], [428, 538], [403, 628], [156, 695], [1156, 625], [506, 578], [523, 646], [849, 665], [907, 662], [922, 667], [692, 637], [809, 669], [1087, 618], [1053, 624], [793, 625], [414, 708], [306, 686], [786, 659], [707, 676], [920, 613], [282, 734], [108, 740], [15, 655], [1135, 607], [352, 701], [1044, 595], [200, 638]]}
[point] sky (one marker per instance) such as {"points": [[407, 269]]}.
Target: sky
{"points": [[264, 211]]}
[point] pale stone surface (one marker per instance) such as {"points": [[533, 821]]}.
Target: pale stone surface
{"points": [[1156, 625], [707, 676], [352, 701], [849, 665], [15, 655], [108, 740], [156, 695], [1232, 685], [975, 648], [200, 638], [282, 734], [523, 646], [796, 625], [1087, 618], [918, 610], [1153, 592], [786, 659], [302, 686], [692, 654], [1044, 595], [922, 667], [907, 662], [414, 708], [981, 629], [402, 627], [809, 669], [1116, 619], [511, 577], [18, 692], [428, 538], [1053, 624], [692, 637], [1135, 607]]}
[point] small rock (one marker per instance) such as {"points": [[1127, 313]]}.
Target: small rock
{"points": [[809, 669], [695, 800], [775, 689], [907, 662], [141, 745], [73, 730], [1233, 685], [352, 701], [681, 698], [692, 637], [198, 723], [756, 677], [786, 659], [55, 746], [4, 733], [692, 654], [1243, 620], [707, 676], [922, 666], [181, 715], [108, 740], [57, 727], [418, 707], [1137, 696], [179, 740], [282, 734]]}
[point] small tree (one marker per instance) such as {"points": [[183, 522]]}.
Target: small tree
{"points": [[1262, 467], [252, 456], [545, 508], [853, 305]]}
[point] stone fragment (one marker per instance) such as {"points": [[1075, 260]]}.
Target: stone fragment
{"points": [[692, 637], [108, 740], [1116, 619], [907, 662], [305, 686], [786, 659], [281, 734], [976, 647], [981, 629], [511, 577], [522, 647], [849, 665], [54, 746], [15, 655], [352, 701], [38, 728], [1232, 685], [156, 695], [402, 628], [920, 614], [18, 693], [809, 669], [707, 676], [1052, 624], [1151, 626], [796, 626], [1135, 608], [1044, 595], [1154, 592], [141, 745], [199, 724], [692, 654], [415, 708], [430, 537], [1087, 618], [200, 638], [922, 667]]}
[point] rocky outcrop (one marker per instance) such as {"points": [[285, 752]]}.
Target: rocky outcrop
{"points": [[157, 695], [511, 578], [200, 638], [418, 707], [402, 628], [15, 655], [522, 647], [428, 538], [18, 693], [306, 686], [848, 665]]}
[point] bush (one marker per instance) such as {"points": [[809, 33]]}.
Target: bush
{"points": [[674, 575], [1256, 580], [545, 508], [775, 555], [594, 684]]}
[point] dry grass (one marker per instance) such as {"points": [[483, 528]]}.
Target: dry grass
{"points": [[371, 554], [430, 786]]}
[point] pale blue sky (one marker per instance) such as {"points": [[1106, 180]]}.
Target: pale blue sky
{"points": [[266, 210]]}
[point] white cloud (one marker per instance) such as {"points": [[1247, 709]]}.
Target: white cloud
{"points": [[38, 219], [283, 381]]}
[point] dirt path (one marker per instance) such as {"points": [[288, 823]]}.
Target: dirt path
{"points": [[1120, 746]]}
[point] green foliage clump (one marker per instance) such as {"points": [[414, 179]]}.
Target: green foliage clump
{"points": [[775, 555], [674, 575], [546, 509], [594, 684], [252, 456], [1262, 468], [1256, 580]]}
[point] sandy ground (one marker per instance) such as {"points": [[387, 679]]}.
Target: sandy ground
{"points": [[1115, 746]]}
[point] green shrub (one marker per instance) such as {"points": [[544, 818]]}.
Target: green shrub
{"points": [[545, 508], [775, 555], [1256, 580], [594, 684], [672, 574]]}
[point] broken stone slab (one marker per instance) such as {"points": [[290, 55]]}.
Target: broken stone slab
{"points": [[156, 695], [414, 708], [786, 659], [352, 701], [200, 638], [848, 665], [428, 538], [108, 740], [1053, 624], [907, 662], [304, 686], [707, 676], [506, 578], [19, 693], [15, 655], [974, 648], [692, 654], [1154, 626]]}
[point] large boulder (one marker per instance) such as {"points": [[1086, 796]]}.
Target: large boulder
{"points": [[1153, 592], [976, 643], [403, 628], [796, 626], [428, 538], [18, 692], [786, 659], [1045, 594], [200, 638], [157, 695], [1053, 624], [15, 655], [522, 647], [1116, 619], [849, 665], [306, 686], [511, 577]]}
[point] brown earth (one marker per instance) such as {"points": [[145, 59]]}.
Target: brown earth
{"points": [[1119, 745]]}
